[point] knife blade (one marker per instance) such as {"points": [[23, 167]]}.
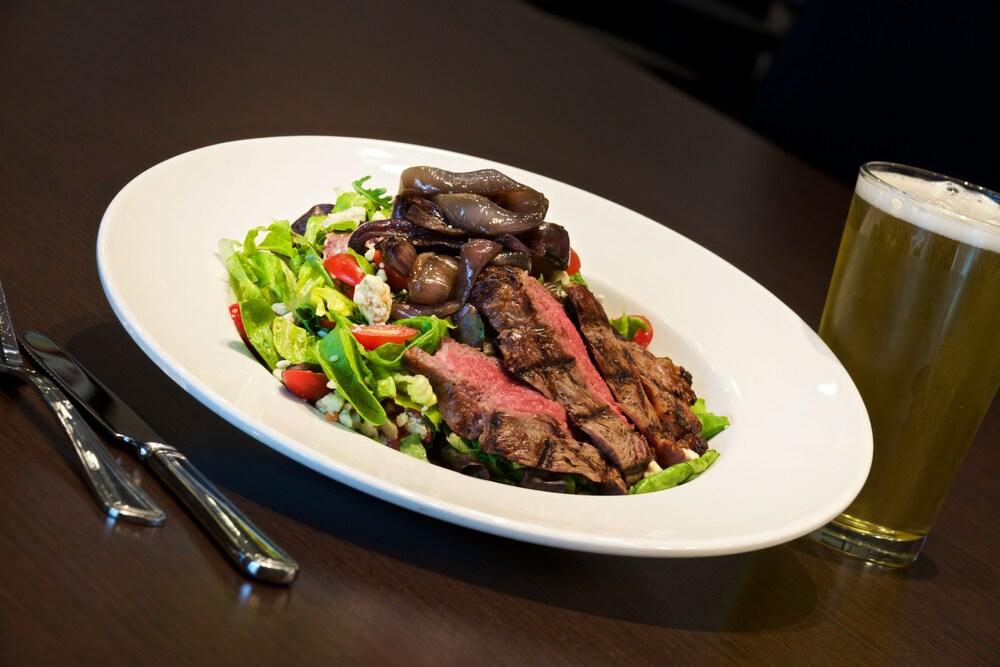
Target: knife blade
{"points": [[247, 546]]}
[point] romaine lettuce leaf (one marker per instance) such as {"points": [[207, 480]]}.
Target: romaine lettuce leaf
{"points": [[674, 475], [340, 358], [293, 342], [711, 424]]}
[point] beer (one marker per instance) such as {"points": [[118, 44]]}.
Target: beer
{"points": [[913, 313]]}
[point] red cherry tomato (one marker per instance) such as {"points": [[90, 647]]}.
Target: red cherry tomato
{"points": [[237, 315], [642, 337], [574, 262], [344, 268], [372, 336], [309, 385]]}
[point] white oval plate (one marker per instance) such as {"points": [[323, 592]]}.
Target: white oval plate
{"points": [[797, 453]]}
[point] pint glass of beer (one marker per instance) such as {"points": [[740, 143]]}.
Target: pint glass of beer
{"points": [[913, 313]]}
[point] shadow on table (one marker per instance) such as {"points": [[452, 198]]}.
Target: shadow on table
{"points": [[757, 591]]}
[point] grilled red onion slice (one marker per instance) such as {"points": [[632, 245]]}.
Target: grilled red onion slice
{"points": [[549, 247], [433, 279], [425, 213], [433, 181], [376, 230], [398, 255], [479, 215], [476, 254]]}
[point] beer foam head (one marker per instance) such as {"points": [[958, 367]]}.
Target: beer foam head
{"points": [[942, 206]]}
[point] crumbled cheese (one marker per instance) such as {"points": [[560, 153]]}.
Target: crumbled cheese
{"points": [[354, 214], [689, 454], [401, 419], [331, 384], [330, 404], [283, 363], [277, 375], [370, 254], [381, 275], [415, 425], [374, 299], [345, 419], [367, 428], [652, 468], [279, 309]]}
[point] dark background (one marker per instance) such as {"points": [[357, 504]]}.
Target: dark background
{"points": [[836, 82]]}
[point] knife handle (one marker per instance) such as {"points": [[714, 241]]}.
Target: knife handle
{"points": [[118, 496], [250, 549]]}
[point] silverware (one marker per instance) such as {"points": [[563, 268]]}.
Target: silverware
{"points": [[115, 492], [248, 547]]}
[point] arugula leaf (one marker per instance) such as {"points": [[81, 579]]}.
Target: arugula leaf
{"points": [[376, 195], [711, 424]]}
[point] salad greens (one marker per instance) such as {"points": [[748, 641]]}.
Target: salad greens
{"points": [[678, 473]]}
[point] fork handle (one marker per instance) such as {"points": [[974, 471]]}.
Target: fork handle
{"points": [[117, 495], [253, 552]]}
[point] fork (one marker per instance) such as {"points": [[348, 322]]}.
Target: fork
{"points": [[117, 495]]}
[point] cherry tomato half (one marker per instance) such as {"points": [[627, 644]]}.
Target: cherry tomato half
{"points": [[574, 262], [237, 315], [374, 335], [643, 337], [308, 385], [344, 268]]}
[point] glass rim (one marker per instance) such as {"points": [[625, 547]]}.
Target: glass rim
{"points": [[868, 172]]}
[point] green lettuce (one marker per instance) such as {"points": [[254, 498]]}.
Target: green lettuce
{"points": [[293, 342], [711, 424], [340, 357], [675, 475]]}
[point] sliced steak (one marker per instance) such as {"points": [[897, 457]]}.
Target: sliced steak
{"points": [[652, 391], [541, 346], [479, 401]]}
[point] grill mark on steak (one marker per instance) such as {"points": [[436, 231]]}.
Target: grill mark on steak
{"points": [[652, 391], [479, 401], [541, 346]]}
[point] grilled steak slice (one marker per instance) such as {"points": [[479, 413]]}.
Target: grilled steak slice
{"points": [[479, 401], [541, 346], [652, 391]]}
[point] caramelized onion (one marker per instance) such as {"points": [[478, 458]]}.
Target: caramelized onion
{"points": [[433, 279], [476, 254], [479, 215], [399, 255], [469, 327], [425, 213], [375, 231], [549, 246], [521, 260]]}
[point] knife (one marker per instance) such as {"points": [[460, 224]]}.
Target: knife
{"points": [[247, 546]]}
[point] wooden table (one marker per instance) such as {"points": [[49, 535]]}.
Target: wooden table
{"points": [[93, 94]]}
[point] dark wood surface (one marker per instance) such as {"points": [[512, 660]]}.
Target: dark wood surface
{"points": [[92, 94]]}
